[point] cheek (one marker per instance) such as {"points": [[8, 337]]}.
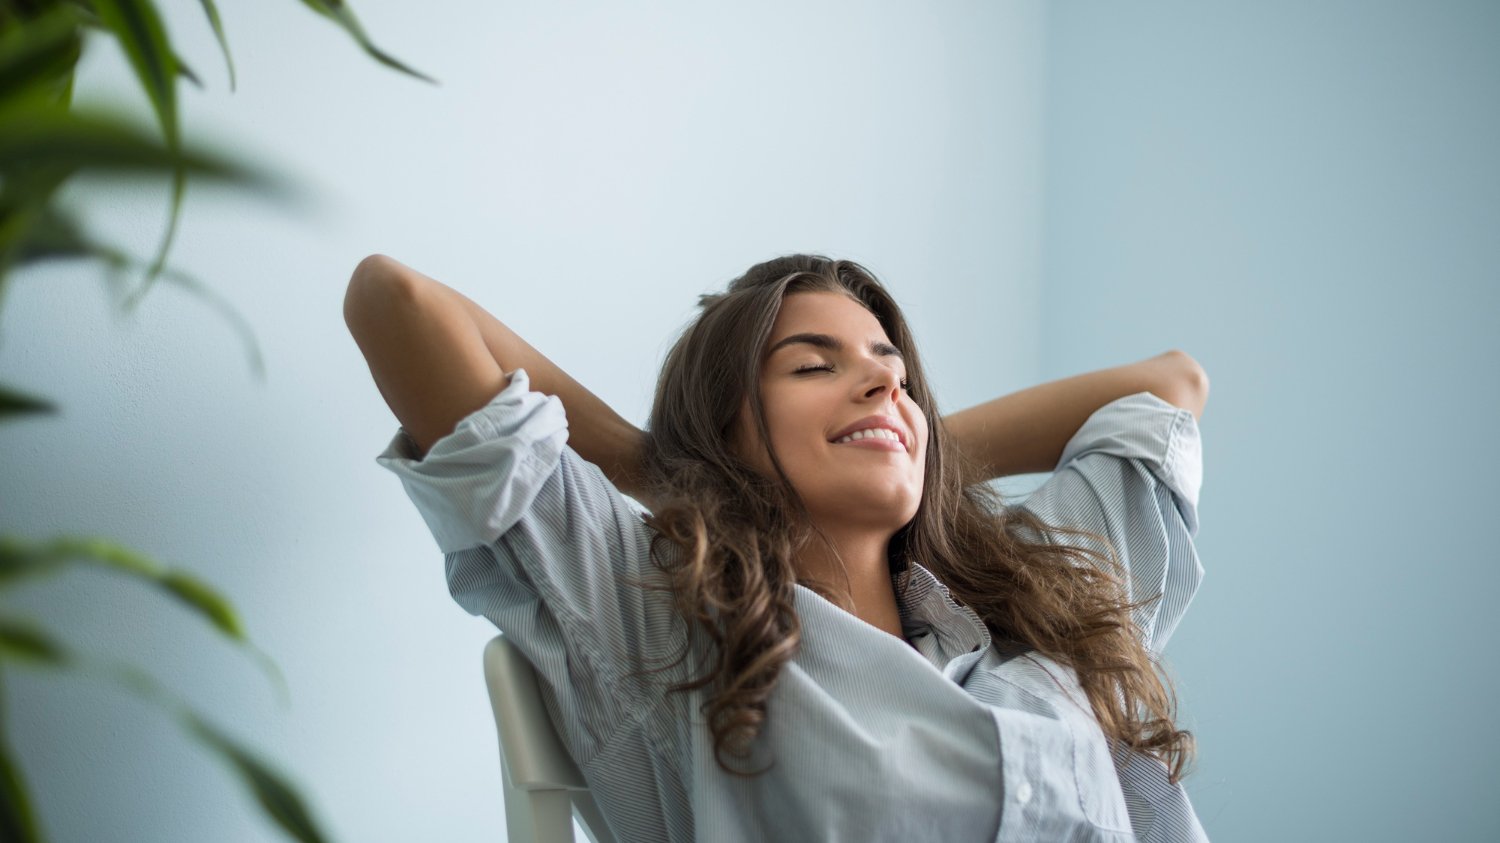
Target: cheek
{"points": [[777, 412], [747, 444], [918, 423]]}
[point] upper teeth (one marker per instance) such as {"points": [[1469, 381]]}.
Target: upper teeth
{"points": [[871, 433]]}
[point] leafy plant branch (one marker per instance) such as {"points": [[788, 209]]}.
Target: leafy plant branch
{"points": [[44, 141]]}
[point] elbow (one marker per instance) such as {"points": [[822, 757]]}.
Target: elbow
{"points": [[1196, 374], [1192, 391], [377, 280], [371, 265]]}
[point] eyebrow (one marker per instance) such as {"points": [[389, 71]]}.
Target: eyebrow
{"points": [[878, 348]]}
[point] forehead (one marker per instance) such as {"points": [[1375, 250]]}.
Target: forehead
{"points": [[826, 313]]}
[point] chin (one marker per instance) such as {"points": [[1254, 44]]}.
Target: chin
{"points": [[894, 513]]}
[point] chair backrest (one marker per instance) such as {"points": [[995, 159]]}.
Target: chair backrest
{"points": [[543, 787]]}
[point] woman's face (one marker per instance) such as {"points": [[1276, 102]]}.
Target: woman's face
{"points": [[851, 372]]}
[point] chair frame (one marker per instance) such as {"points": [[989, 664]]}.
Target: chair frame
{"points": [[544, 789]]}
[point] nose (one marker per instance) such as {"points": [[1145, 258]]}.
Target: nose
{"points": [[884, 379]]}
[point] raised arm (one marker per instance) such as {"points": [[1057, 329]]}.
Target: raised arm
{"points": [[1025, 432], [436, 357]]}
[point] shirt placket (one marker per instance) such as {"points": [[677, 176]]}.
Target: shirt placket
{"points": [[961, 637]]}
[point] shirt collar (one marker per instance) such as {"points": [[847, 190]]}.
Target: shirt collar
{"points": [[926, 604]]}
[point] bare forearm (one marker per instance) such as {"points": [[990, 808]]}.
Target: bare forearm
{"points": [[1025, 432], [595, 430]]}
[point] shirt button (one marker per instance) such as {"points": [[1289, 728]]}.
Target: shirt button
{"points": [[1023, 793]]}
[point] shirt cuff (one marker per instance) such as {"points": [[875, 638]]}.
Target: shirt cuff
{"points": [[477, 481], [1146, 427]]}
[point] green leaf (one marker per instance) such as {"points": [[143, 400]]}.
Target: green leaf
{"points": [[179, 186], [13, 403], [21, 559], [56, 235], [24, 641], [213, 19], [17, 818], [40, 53], [21, 195], [196, 593], [103, 141], [226, 310], [86, 13], [187, 72], [276, 796], [65, 96], [42, 145], [138, 28], [336, 11]]}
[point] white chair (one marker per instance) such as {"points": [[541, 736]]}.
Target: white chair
{"points": [[543, 787]]}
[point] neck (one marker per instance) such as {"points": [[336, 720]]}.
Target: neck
{"points": [[868, 594]]}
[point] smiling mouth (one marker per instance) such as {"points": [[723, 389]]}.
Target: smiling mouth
{"points": [[875, 444], [879, 433]]}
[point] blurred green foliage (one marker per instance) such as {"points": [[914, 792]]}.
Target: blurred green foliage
{"points": [[44, 141]]}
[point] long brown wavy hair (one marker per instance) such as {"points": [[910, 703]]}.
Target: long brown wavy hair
{"points": [[737, 533]]}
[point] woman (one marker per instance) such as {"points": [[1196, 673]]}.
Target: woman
{"points": [[813, 635]]}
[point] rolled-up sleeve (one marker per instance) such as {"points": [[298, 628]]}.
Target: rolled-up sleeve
{"points": [[537, 540], [1132, 473]]}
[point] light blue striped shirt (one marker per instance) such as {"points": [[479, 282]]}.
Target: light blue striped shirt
{"points": [[947, 738]]}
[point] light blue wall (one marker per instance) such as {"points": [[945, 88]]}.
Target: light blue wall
{"points": [[1306, 198], [584, 171]]}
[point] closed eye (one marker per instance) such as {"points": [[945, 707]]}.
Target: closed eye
{"points": [[828, 367]]}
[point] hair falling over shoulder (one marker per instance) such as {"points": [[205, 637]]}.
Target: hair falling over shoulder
{"points": [[734, 535]]}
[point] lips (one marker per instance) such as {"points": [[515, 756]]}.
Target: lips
{"points": [[883, 421]]}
